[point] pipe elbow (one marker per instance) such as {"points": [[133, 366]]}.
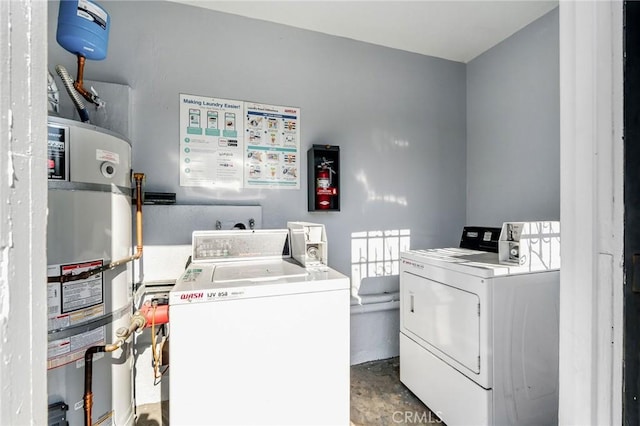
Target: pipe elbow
{"points": [[112, 347], [139, 321]]}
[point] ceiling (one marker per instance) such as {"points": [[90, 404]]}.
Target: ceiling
{"points": [[455, 30]]}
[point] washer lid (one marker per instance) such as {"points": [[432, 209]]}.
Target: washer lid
{"points": [[257, 271]]}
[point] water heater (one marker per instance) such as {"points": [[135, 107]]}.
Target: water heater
{"points": [[89, 225]]}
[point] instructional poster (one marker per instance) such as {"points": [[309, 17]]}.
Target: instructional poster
{"points": [[211, 142], [234, 144], [273, 142]]}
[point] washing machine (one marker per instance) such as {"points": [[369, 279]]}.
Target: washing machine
{"points": [[479, 330], [256, 338]]}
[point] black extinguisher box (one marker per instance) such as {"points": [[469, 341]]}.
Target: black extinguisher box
{"points": [[323, 169]]}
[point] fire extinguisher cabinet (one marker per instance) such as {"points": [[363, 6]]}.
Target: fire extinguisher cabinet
{"points": [[323, 178]]}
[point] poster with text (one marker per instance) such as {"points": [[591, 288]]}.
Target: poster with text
{"points": [[211, 142], [272, 139]]}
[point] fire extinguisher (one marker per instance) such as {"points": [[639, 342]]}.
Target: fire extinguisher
{"points": [[324, 190]]}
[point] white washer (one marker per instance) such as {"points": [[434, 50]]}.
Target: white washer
{"points": [[479, 339], [256, 338]]}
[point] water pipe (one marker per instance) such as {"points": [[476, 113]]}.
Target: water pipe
{"points": [[137, 323], [78, 85]]}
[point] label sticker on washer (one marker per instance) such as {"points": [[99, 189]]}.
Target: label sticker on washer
{"points": [[225, 294], [191, 274], [102, 155], [487, 236]]}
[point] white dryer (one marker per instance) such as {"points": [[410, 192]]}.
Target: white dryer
{"points": [[257, 339], [479, 338]]}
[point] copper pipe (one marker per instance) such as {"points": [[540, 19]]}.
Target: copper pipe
{"points": [[139, 177], [78, 84], [137, 322], [88, 377]]}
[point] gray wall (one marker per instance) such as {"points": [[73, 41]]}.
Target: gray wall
{"points": [[513, 128], [399, 118]]}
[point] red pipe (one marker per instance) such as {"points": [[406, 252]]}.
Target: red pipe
{"points": [[161, 314]]}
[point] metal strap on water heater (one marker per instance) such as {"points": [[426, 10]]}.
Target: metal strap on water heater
{"points": [[94, 187], [63, 333]]}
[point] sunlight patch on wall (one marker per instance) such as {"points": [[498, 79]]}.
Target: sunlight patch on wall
{"points": [[377, 253], [372, 195]]}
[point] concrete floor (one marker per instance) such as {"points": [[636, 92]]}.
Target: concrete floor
{"points": [[377, 399]]}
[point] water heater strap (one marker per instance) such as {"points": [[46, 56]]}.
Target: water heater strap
{"points": [[94, 187], [65, 332]]}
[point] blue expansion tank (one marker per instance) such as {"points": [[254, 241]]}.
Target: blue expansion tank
{"points": [[83, 28]]}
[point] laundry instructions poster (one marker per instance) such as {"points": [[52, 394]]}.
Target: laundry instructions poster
{"points": [[211, 142], [235, 144], [273, 146]]}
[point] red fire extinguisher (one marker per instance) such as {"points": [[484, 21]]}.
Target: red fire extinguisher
{"points": [[324, 190]]}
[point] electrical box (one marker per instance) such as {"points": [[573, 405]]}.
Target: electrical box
{"points": [[323, 178]]}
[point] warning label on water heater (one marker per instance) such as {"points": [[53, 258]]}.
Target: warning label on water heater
{"points": [[74, 302], [64, 351], [57, 152]]}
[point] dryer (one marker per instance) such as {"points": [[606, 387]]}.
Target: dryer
{"points": [[479, 336]]}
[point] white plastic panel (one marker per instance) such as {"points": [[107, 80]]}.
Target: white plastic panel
{"points": [[443, 316]]}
